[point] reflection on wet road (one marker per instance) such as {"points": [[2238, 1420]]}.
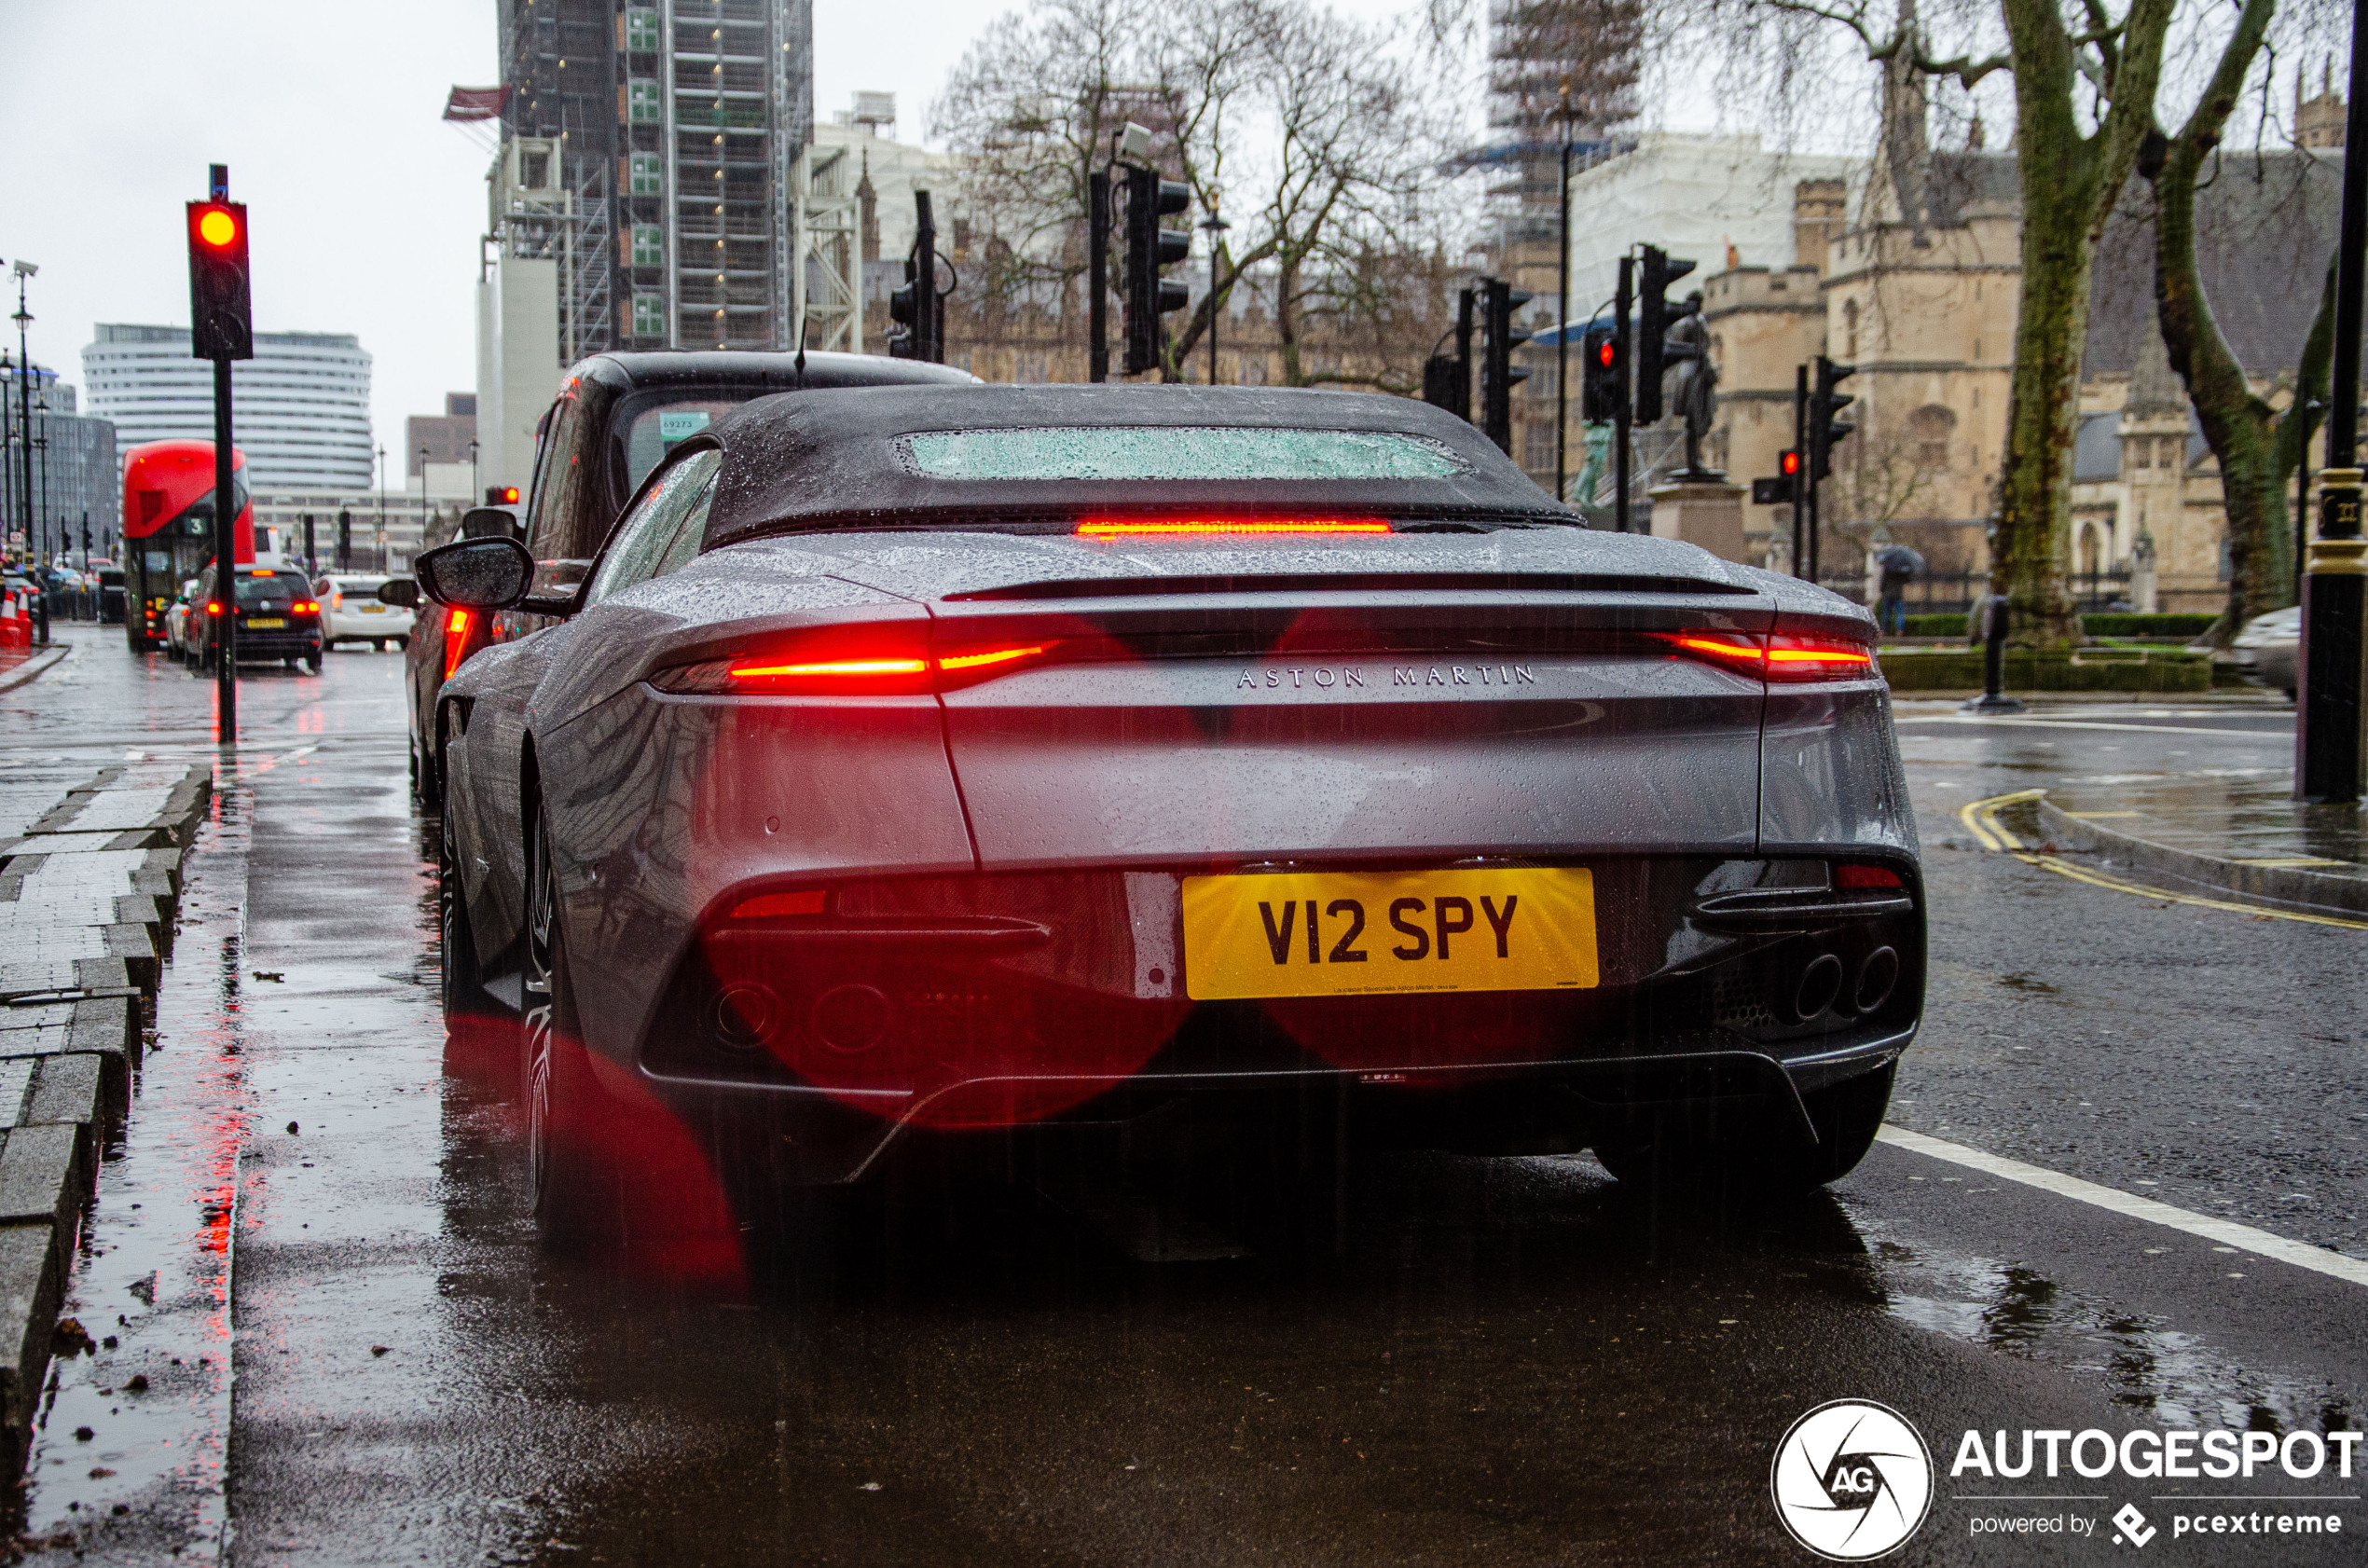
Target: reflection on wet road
{"points": [[1490, 1361]]}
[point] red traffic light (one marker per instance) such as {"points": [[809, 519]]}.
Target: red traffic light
{"points": [[500, 495], [1791, 462], [1606, 351], [215, 226]]}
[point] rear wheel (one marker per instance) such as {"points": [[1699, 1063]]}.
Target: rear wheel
{"points": [[464, 996], [313, 661], [1764, 1156], [575, 1194]]}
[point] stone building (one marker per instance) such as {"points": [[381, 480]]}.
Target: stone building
{"points": [[1919, 290]]}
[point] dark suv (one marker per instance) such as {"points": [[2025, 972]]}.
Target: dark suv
{"points": [[278, 616], [616, 415]]}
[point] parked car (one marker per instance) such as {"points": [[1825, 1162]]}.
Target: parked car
{"points": [[2268, 647], [352, 611], [1081, 755], [110, 593], [278, 617], [177, 630]]}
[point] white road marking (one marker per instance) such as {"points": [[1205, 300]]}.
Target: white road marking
{"points": [[2226, 1232], [2081, 724]]}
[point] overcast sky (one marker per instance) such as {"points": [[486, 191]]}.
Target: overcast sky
{"points": [[365, 208]]}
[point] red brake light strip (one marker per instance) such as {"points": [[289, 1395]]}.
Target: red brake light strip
{"points": [[1779, 657], [1126, 528]]}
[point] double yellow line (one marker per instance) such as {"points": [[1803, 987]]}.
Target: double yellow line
{"points": [[1981, 819]]}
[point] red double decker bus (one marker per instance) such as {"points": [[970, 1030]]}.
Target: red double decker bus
{"points": [[168, 528]]}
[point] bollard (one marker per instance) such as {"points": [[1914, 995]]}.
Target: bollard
{"points": [[1989, 622]]}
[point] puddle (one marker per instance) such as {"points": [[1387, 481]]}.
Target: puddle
{"points": [[2176, 1379]]}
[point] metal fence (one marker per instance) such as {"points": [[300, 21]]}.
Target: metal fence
{"points": [[1955, 593]]}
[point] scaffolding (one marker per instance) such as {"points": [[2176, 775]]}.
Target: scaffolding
{"points": [[827, 285], [674, 128]]}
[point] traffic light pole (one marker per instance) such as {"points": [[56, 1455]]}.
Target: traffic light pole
{"points": [[1563, 333], [1801, 471], [1624, 421], [2327, 735], [226, 566], [1097, 275]]}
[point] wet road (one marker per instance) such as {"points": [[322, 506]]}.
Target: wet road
{"points": [[1494, 1361]]}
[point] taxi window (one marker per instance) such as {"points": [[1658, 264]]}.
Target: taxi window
{"points": [[1176, 452], [645, 539]]}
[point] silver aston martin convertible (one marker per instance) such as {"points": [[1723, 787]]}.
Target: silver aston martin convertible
{"points": [[957, 763]]}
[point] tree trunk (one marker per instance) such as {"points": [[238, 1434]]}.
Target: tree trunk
{"points": [[2033, 546], [2312, 379], [2069, 184], [2240, 427]]}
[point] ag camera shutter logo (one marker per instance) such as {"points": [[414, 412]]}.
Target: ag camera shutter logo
{"points": [[1852, 1480]]}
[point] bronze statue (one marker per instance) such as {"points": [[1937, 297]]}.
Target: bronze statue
{"points": [[1686, 350]]}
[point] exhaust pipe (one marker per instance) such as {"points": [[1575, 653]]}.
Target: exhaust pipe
{"points": [[1878, 977], [1820, 986]]}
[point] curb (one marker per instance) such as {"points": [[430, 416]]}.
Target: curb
{"points": [[2294, 887], [86, 907], [35, 666]]}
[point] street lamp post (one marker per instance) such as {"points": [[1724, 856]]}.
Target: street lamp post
{"points": [[475, 489], [423, 492], [23, 318], [1216, 227], [379, 530], [2327, 736]]}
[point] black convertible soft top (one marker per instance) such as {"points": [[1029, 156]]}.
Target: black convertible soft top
{"points": [[897, 457]]}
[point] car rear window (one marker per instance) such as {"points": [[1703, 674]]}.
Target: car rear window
{"points": [[277, 588], [1176, 452]]}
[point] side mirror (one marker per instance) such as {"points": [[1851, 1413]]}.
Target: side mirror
{"points": [[490, 522], [401, 592], [477, 574]]}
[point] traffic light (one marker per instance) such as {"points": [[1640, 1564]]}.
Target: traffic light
{"points": [[1784, 488], [1653, 316], [1147, 296], [1823, 429], [500, 495], [221, 321], [1499, 299], [1602, 386], [904, 338]]}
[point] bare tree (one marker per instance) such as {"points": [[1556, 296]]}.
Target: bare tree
{"points": [[1324, 119], [2258, 448]]}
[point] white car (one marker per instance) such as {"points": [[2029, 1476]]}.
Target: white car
{"points": [[2270, 647], [351, 612]]}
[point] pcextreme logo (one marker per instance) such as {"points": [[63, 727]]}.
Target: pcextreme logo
{"points": [[1852, 1480]]}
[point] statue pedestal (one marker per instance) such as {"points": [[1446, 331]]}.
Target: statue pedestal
{"points": [[1704, 512]]}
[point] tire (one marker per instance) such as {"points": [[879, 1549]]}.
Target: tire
{"points": [[1766, 1158], [466, 1002], [575, 1190], [314, 660]]}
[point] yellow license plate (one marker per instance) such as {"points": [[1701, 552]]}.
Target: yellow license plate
{"points": [[374, 609], [1342, 934], [266, 623]]}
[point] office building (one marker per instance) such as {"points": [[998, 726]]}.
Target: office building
{"points": [[69, 462], [302, 404]]}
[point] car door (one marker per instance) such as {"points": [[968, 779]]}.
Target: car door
{"points": [[656, 535]]}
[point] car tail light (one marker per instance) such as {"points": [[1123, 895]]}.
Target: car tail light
{"points": [[1129, 527], [1866, 879], [214, 608], [811, 671], [1780, 656], [303, 605], [456, 640]]}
